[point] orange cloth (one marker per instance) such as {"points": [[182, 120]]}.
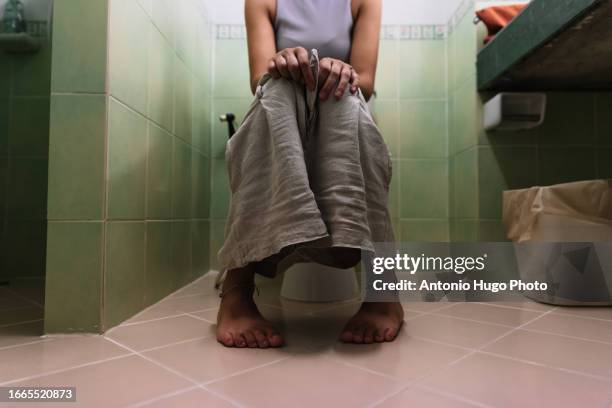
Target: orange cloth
{"points": [[498, 17]]}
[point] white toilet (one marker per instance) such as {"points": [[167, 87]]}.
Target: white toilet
{"points": [[310, 282]]}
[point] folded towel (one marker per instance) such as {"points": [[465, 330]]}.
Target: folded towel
{"points": [[498, 17], [309, 180]]}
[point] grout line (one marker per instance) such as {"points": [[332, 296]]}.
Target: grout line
{"points": [[62, 370], [163, 396], [176, 343], [221, 396], [466, 319], [20, 323], [553, 367], [452, 396], [600, 319], [205, 384], [19, 295], [608, 343], [134, 352], [40, 340]]}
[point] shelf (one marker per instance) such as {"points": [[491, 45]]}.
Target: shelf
{"points": [[19, 43], [553, 45]]}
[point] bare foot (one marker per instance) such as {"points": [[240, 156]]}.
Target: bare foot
{"points": [[374, 322], [239, 323]]}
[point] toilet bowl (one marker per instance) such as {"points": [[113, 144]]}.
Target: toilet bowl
{"points": [[310, 282]]}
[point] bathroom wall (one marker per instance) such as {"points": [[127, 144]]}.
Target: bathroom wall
{"points": [[129, 158], [575, 142], [24, 139]]}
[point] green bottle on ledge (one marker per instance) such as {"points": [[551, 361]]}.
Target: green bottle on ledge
{"points": [[14, 18]]}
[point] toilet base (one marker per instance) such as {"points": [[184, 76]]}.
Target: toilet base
{"points": [[309, 282]]}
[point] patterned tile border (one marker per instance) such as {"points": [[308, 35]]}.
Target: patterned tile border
{"points": [[388, 32]]}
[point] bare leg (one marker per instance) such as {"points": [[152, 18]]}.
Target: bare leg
{"points": [[239, 322]]}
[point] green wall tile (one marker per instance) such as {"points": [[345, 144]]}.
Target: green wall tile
{"points": [[237, 106], [466, 184], [387, 71], [465, 230], [423, 129], [76, 157], [220, 190], [202, 105], [181, 253], [79, 61], [26, 190], [128, 59], [32, 72], [183, 101], [181, 187], [186, 31], [422, 69], [74, 277], [395, 190], [200, 189], [463, 121], [424, 230], [124, 276], [126, 163], [5, 105], [25, 248], [387, 116], [500, 169], [566, 164], [570, 120], [161, 80], [200, 247], [29, 127], [159, 176], [424, 189], [231, 70], [159, 275], [492, 231], [604, 164], [603, 119], [464, 58], [164, 13]]}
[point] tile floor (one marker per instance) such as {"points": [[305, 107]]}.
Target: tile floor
{"points": [[448, 355]]}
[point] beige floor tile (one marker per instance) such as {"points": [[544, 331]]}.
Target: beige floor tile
{"points": [[206, 360], [172, 306], [406, 358], [416, 397], [594, 312], [21, 333], [306, 381], [490, 314], [579, 355], [501, 382], [571, 325], [524, 303], [197, 398], [23, 314], [160, 332], [426, 307], [114, 383], [454, 331], [58, 353], [9, 300]]}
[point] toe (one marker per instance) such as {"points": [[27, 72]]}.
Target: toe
{"points": [[358, 335], [275, 339], [390, 334], [378, 337], [368, 337], [226, 339], [240, 341], [347, 333], [250, 339], [262, 340]]}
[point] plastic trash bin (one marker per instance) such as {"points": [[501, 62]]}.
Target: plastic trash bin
{"points": [[571, 226]]}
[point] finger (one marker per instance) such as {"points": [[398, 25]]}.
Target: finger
{"points": [[302, 56], [293, 66], [331, 81], [281, 65], [272, 70], [354, 82], [324, 70], [345, 77]]}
